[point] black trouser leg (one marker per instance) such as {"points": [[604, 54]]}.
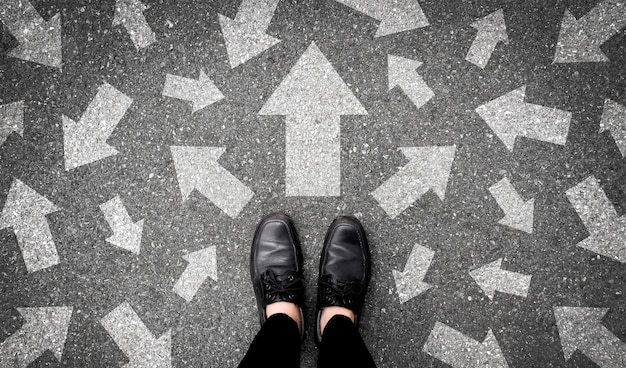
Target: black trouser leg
{"points": [[276, 345], [342, 346]]}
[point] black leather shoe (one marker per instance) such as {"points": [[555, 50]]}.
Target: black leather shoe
{"points": [[276, 264], [345, 269]]}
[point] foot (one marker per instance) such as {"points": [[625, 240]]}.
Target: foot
{"points": [[344, 274], [276, 269]]}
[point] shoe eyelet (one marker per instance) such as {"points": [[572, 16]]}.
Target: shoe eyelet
{"points": [[290, 278]]}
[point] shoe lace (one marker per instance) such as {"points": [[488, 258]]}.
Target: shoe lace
{"points": [[346, 291], [286, 285]]}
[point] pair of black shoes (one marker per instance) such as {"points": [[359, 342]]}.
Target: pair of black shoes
{"points": [[276, 267]]}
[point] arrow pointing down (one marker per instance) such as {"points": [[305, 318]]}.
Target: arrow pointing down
{"points": [[517, 213], [409, 282], [126, 234]]}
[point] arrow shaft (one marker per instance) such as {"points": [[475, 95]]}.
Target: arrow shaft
{"points": [[20, 349], [417, 90], [139, 30], [506, 196], [190, 281], [605, 20], [128, 331], [180, 88], [401, 190], [20, 16], [374, 9], [592, 204], [451, 346], [513, 283], [604, 348], [104, 112], [223, 189], [115, 213], [35, 241], [482, 47]]}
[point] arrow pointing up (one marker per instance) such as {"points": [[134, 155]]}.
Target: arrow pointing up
{"points": [[126, 234], [202, 264], [394, 15], [614, 120], [402, 74], [198, 168], [136, 341], [491, 278], [580, 328], [580, 40], [509, 117], [428, 168], [201, 93], [45, 328], [129, 13], [40, 40], [517, 213], [11, 120], [245, 35], [453, 348], [313, 96], [491, 31], [607, 230], [25, 211], [85, 142], [409, 282]]}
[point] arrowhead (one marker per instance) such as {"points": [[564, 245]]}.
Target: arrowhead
{"points": [[575, 325], [497, 113], [157, 354], [403, 15], [80, 146], [22, 203], [243, 40], [574, 44], [407, 287], [206, 259], [401, 70], [128, 238], [522, 218], [435, 163], [48, 326], [486, 277], [11, 119], [494, 25], [189, 163], [490, 354], [207, 93], [41, 44], [313, 87]]}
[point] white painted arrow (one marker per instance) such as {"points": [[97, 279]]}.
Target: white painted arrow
{"points": [[85, 141], [409, 282], [198, 168], [44, 328], [614, 120], [136, 340], [517, 213], [11, 119], [129, 14], [607, 231], [126, 234], [201, 92], [580, 40], [39, 40], [428, 168], [202, 264], [25, 211], [491, 278], [245, 35], [580, 328], [394, 15], [491, 31], [455, 349], [313, 96], [509, 117], [402, 74]]}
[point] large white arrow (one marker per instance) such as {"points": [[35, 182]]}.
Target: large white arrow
{"points": [[11, 119], [45, 328], [453, 348], [491, 278], [201, 92], [402, 74], [580, 40], [126, 233], [198, 168], [25, 211], [614, 120], [394, 15], [245, 35], [129, 13], [607, 231], [509, 117], [409, 282], [136, 340], [313, 96], [580, 328], [40, 40], [428, 168], [85, 141], [491, 31], [202, 264], [517, 213]]}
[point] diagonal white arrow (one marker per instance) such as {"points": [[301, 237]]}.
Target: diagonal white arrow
{"points": [[25, 211], [85, 141], [607, 231], [201, 92], [394, 15], [11, 119], [509, 117], [129, 14], [491, 31], [202, 264], [409, 282], [491, 278], [428, 168], [126, 234], [402, 74], [40, 40], [614, 120], [517, 213]]}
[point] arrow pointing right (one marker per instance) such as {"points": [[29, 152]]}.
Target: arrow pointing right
{"points": [[614, 120], [11, 119], [202, 264], [491, 31], [394, 15], [201, 93], [402, 74], [409, 282], [517, 213], [491, 278]]}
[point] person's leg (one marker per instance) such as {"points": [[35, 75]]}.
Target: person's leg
{"points": [[277, 344], [342, 346]]}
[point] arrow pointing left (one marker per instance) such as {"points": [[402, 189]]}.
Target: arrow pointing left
{"points": [[40, 40], [126, 234], [202, 264], [517, 213], [25, 211], [45, 328], [11, 120], [409, 282], [491, 278], [402, 74], [201, 92], [129, 13], [491, 31]]}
